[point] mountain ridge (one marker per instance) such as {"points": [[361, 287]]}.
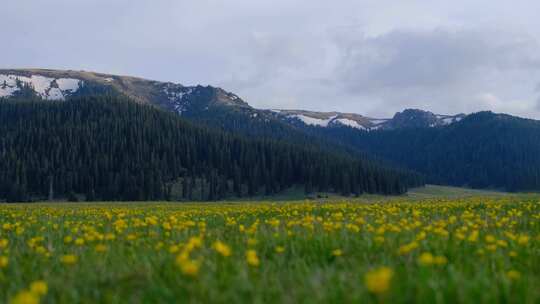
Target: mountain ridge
{"points": [[166, 95], [183, 99], [408, 118]]}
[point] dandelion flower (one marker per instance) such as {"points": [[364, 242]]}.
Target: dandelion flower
{"points": [[513, 275], [337, 252], [490, 238], [222, 248], [426, 259], [377, 281], [69, 259], [39, 288], [4, 261], [190, 268], [407, 248], [25, 297], [523, 239], [251, 258]]}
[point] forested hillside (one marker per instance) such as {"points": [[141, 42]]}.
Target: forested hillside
{"points": [[109, 148], [484, 150]]}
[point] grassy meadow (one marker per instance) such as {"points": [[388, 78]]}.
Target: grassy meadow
{"points": [[464, 249]]}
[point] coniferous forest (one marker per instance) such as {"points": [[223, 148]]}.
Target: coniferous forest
{"points": [[484, 150], [110, 148]]}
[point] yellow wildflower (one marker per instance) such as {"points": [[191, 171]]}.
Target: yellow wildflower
{"points": [[491, 247], [407, 248], [39, 288], [378, 280], [69, 259], [68, 239], [513, 275], [189, 267], [426, 259], [222, 248], [337, 252], [280, 249], [251, 258], [4, 261], [490, 238], [523, 239], [25, 297], [473, 237]]}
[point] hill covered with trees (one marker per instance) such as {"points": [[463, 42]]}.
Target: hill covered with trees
{"points": [[110, 148], [484, 150]]}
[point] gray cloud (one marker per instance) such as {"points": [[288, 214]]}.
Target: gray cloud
{"points": [[432, 59], [370, 57], [442, 69]]}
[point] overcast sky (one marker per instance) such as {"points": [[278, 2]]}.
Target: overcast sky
{"points": [[369, 57]]}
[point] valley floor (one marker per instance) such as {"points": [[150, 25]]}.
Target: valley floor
{"points": [[434, 245], [426, 192]]}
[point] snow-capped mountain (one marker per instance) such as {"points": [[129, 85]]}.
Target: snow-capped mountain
{"points": [[59, 85], [192, 101], [329, 119], [409, 118], [45, 87]]}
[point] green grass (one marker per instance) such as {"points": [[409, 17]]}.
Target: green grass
{"points": [[429, 191], [433, 191], [149, 246]]}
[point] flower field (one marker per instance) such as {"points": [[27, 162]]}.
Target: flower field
{"points": [[473, 250]]}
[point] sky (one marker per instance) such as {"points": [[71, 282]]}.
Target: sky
{"points": [[361, 56]]}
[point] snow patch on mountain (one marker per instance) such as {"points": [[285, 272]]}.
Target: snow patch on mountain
{"points": [[176, 96], [447, 120], [313, 121], [68, 84], [7, 86], [45, 87], [54, 94], [350, 123], [377, 121]]}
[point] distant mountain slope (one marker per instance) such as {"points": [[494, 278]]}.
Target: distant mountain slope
{"points": [[59, 85], [110, 148], [409, 118], [484, 150], [192, 101], [206, 105]]}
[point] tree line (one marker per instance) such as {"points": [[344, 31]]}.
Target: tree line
{"points": [[484, 150], [110, 148]]}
